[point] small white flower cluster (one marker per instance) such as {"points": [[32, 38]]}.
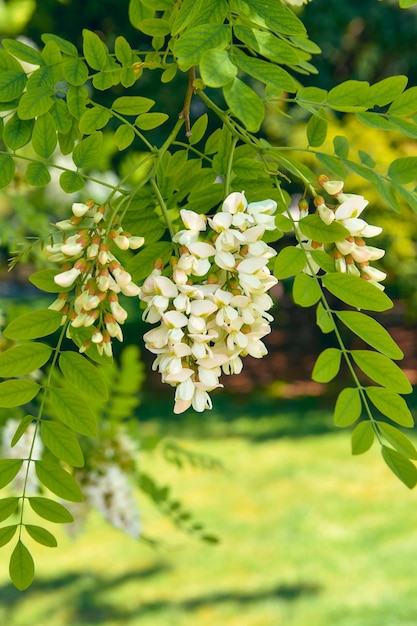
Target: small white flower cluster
{"points": [[22, 450], [97, 276], [352, 255], [213, 307]]}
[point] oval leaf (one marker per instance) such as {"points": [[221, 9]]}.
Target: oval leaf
{"points": [[306, 290], [83, 375], [289, 262], [23, 359], [44, 138], [74, 411], [21, 567], [313, 227], [382, 370], [17, 392], [85, 153], [50, 510], [362, 437], [398, 440], [33, 325], [57, 480], [370, 331], [62, 443], [327, 365], [356, 292], [41, 535], [9, 468], [37, 174], [348, 407], [6, 534], [7, 507], [217, 68], [391, 404], [7, 169], [245, 104], [400, 466]]}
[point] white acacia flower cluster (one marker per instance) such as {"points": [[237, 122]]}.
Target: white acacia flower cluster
{"points": [[95, 273], [23, 450], [106, 485], [352, 255], [212, 308]]}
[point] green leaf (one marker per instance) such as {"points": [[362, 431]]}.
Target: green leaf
{"points": [[403, 170], [85, 153], [93, 119], [65, 46], [141, 264], [75, 72], [74, 411], [289, 262], [57, 480], [9, 468], [77, 98], [17, 132], [17, 392], [7, 507], [33, 325], [62, 442], [35, 102], [21, 429], [267, 45], [12, 84], [169, 74], [405, 104], [23, 52], [306, 290], [275, 15], [123, 137], [386, 90], [245, 104], [83, 375], [217, 68], [123, 51], [327, 365], [408, 196], [50, 510], [356, 292], [21, 567], [273, 75], [400, 466], [366, 158], [62, 118], [198, 129], [7, 169], [70, 182], [41, 535], [109, 77], [138, 12], [95, 51], [51, 53], [350, 96], [323, 260], [6, 534], [154, 27], [44, 136], [313, 227], [132, 105], [149, 121], [348, 407], [37, 174], [370, 331], [390, 404], [382, 370], [374, 120], [324, 320], [405, 4], [190, 47], [398, 440], [332, 164], [23, 359], [317, 129], [362, 437]]}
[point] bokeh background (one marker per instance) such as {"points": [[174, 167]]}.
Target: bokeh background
{"points": [[308, 534]]}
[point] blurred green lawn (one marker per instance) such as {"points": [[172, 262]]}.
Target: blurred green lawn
{"points": [[309, 536]]}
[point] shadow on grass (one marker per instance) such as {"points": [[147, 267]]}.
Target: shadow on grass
{"points": [[86, 596]]}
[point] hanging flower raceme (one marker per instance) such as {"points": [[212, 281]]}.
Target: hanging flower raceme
{"points": [[211, 302], [351, 255], [93, 275]]}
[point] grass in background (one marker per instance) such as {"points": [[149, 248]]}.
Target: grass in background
{"points": [[309, 535]]}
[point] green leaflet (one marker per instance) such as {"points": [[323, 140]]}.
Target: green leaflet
{"points": [[57, 480], [356, 292], [50, 510], [370, 331], [7, 507], [44, 138], [65, 46], [21, 429], [51, 53], [33, 325], [350, 96], [37, 174], [23, 359], [362, 437], [123, 137], [35, 102], [93, 119], [348, 407], [9, 468], [196, 12], [387, 90], [398, 440], [391, 405], [44, 279], [23, 52], [123, 51], [273, 75], [83, 375], [324, 319], [85, 153], [198, 131], [245, 104], [405, 4], [6, 534], [403, 170], [138, 12], [306, 290], [405, 104], [154, 27], [17, 132], [217, 68], [17, 392], [289, 262], [149, 121], [132, 105], [95, 50], [323, 260], [62, 442], [407, 195], [317, 129], [400, 466], [74, 411], [61, 116], [7, 169], [191, 45], [313, 227], [21, 567], [41, 535], [71, 182], [382, 370], [77, 98], [327, 365], [12, 84], [75, 72], [269, 46], [332, 163]]}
